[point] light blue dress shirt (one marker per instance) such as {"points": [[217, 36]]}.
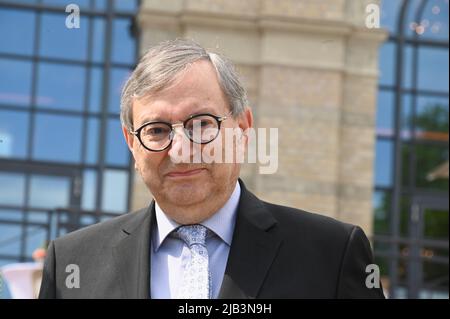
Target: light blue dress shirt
{"points": [[169, 254]]}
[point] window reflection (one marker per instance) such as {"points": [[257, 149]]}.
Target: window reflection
{"points": [[383, 163], [389, 13], [15, 82], [12, 189], [433, 20], [89, 190], [115, 190], [36, 236], [98, 42], [124, 5], [96, 90], [123, 48], [12, 215], [10, 236], [385, 112], [118, 78], [61, 86], [387, 63], [81, 3], [92, 144], [432, 63], [58, 41], [17, 37], [381, 204], [116, 148], [49, 191], [57, 138], [13, 134]]}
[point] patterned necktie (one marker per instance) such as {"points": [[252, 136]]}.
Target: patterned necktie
{"points": [[196, 282]]}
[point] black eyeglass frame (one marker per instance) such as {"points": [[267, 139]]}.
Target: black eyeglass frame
{"points": [[219, 120]]}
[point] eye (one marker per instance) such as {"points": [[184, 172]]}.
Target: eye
{"points": [[153, 131]]}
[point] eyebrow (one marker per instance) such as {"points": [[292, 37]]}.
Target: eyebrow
{"points": [[159, 119]]}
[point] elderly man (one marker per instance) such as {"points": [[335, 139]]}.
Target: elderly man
{"points": [[204, 235]]}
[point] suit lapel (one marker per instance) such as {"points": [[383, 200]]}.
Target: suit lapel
{"points": [[253, 249], [132, 255]]}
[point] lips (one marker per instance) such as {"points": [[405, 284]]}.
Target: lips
{"points": [[185, 173]]}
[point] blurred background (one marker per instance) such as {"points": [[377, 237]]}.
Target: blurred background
{"points": [[362, 113]]}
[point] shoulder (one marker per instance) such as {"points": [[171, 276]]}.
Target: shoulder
{"points": [[296, 223], [103, 232]]}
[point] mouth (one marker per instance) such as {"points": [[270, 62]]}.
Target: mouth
{"points": [[185, 173]]}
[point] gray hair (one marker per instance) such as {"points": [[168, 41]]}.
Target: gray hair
{"points": [[162, 63]]}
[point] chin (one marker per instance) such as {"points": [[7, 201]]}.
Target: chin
{"points": [[187, 193]]}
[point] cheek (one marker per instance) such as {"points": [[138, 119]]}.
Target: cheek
{"points": [[148, 163]]}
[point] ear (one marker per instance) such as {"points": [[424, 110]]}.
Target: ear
{"points": [[245, 121], [129, 138]]}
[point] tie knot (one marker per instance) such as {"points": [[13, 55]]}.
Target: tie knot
{"points": [[193, 234]]}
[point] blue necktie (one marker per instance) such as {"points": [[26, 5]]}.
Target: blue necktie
{"points": [[196, 281]]}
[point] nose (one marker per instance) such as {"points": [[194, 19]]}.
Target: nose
{"points": [[179, 151]]}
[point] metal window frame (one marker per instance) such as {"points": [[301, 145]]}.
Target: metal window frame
{"points": [[28, 164], [398, 190]]}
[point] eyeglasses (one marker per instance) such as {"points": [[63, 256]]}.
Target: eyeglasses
{"points": [[200, 128]]}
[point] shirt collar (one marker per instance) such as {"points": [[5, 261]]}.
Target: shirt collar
{"points": [[221, 223]]}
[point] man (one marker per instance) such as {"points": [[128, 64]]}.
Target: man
{"points": [[204, 235]]}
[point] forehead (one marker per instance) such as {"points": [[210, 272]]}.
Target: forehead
{"points": [[195, 90]]}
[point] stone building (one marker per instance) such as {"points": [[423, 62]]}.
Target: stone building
{"points": [[311, 70]]}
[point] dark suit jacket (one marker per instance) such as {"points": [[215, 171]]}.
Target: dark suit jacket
{"points": [[276, 252]]}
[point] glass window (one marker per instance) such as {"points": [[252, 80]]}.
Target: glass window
{"points": [[100, 4], [81, 3], [389, 14], [7, 214], [98, 41], [12, 189], [387, 63], [408, 66], [429, 161], [58, 41], [17, 37], [435, 20], [57, 138], [406, 119], [381, 204], [89, 190], [411, 22], [385, 113], [432, 63], [49, 191], [61, 86], [38, 217], [115, 191], [432, 115], [92, 144], [125, 5], [13, 134], [36, 238], [116, 148], [383, 163], [15, 82], [87, 220], [96, 90], [118, 79], [10, 236], [123, 45]]}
